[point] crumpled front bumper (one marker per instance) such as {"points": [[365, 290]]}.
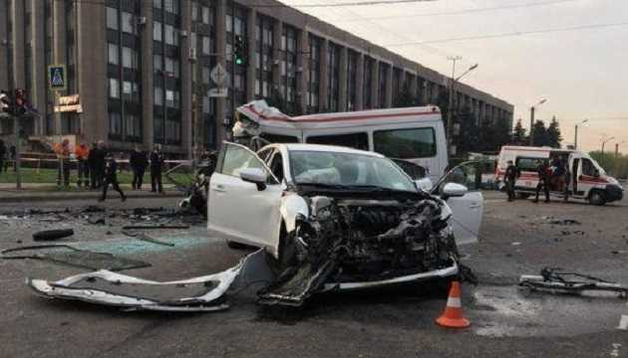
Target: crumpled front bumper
{"points": [[423, 276]]}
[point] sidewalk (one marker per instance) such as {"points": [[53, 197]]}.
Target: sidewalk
{"points": [[50, 192]]}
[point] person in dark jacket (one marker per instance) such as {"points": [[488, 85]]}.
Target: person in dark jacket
{"points": [[543, 170], [111, 178], [3, 152], [512, 173], [138, 163], [156, 166], [96, 161], [12, 156]]}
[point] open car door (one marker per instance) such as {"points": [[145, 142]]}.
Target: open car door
{"points": [[467, 209], [244, 198]]}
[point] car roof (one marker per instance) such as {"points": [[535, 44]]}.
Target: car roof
{"points": [[324, 148]]}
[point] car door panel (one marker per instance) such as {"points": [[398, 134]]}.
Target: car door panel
{"points": [[467, 210], [239, 210], [466, 218]]}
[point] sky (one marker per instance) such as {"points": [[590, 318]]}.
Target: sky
{"points": [[582, 73]]}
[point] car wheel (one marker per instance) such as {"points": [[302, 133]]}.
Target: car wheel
{"points": [[285, 251], [597, 198]]}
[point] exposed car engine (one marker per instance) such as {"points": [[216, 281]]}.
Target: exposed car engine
{"points": [[355, 240]]}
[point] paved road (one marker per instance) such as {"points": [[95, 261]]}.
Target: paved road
{"points": [[517, 238]]}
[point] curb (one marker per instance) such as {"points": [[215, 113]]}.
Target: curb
{"points": [[28, 197]]}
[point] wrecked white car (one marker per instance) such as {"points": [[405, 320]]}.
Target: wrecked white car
{"points": [[338, 218]]}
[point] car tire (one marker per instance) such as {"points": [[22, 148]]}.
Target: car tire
{"points": [[49, 235], [596, 197]]}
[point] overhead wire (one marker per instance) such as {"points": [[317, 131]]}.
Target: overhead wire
{"points": [[467, 11], [512, 34]]}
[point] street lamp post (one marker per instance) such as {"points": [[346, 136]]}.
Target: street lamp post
{"points": [[604, 142], [532, 110], [16, 120], [575, 138], [451, 105]]}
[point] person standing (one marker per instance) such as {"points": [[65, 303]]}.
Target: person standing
{"points": [[542, 170], [138, 163], [12, 157], [156, 164], [96, 160], [3, 152], [111, 178], [511, 176], [63, 154], [82, 154]]}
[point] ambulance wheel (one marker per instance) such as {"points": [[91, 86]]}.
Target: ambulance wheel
{"points": [[597, 198], [523, 195]]}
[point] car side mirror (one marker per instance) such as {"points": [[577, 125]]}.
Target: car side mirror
{"points": [[256, 176], [453, 190], [424, 184]]}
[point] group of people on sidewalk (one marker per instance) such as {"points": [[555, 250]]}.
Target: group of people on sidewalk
{"points": [[98, 166], [552, 176]]}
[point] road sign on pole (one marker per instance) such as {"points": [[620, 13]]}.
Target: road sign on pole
{"points": [[218, 92], [56, 77], [218, 75]]}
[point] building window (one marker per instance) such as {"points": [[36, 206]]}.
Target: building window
{"points": [[115, 124], [314, 78], [333, 77], [112, 18], [157, 63], [133, 126], [112, 54], [172, 6], [206, 45], [157, 35], [352, 61], [368, 83], [128, 24], [114, 88], [206, 17], [129, 58], [158, 96], [382, 84], [172, 37]]}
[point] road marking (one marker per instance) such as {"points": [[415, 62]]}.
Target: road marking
{"points": [[623, 323]]}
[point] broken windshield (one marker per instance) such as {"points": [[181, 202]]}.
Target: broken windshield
{"points": [[347, 170]]}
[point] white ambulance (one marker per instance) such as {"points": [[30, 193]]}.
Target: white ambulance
{"points": [[587, 180], [414, 134]]}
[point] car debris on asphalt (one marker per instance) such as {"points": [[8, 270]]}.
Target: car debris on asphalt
{"points": [[50, 235], [71, 256], [200, 294], [557, 280]]}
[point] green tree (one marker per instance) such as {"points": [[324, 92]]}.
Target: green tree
{"points": [[469, 135], [519, 135], [553, 133], [540, 136]]}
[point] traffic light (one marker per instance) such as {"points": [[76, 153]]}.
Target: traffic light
{"points": [[240, 52], [5, 102]]}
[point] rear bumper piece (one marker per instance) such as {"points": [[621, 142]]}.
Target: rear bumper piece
{"points": [[614, 193], [423, 276]]}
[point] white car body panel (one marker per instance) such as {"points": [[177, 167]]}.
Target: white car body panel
{"points": [[466, 216]]}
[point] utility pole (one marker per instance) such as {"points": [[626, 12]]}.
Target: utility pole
{"points": [[575, 139], [450, 106], [532, 126], [532, 110]]}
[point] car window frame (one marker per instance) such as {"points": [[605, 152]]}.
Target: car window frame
{"points": [[272, 180], [478, 177]]}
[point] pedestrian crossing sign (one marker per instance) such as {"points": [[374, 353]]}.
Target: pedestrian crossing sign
{"points": [[56, 77]]}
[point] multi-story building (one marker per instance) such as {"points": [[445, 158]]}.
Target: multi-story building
{"points": [[141, 69]]}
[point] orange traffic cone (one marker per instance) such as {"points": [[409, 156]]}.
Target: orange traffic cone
{"points": [[452, 317]]}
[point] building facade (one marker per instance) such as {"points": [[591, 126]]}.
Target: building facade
{"points": [[142, 69]]}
